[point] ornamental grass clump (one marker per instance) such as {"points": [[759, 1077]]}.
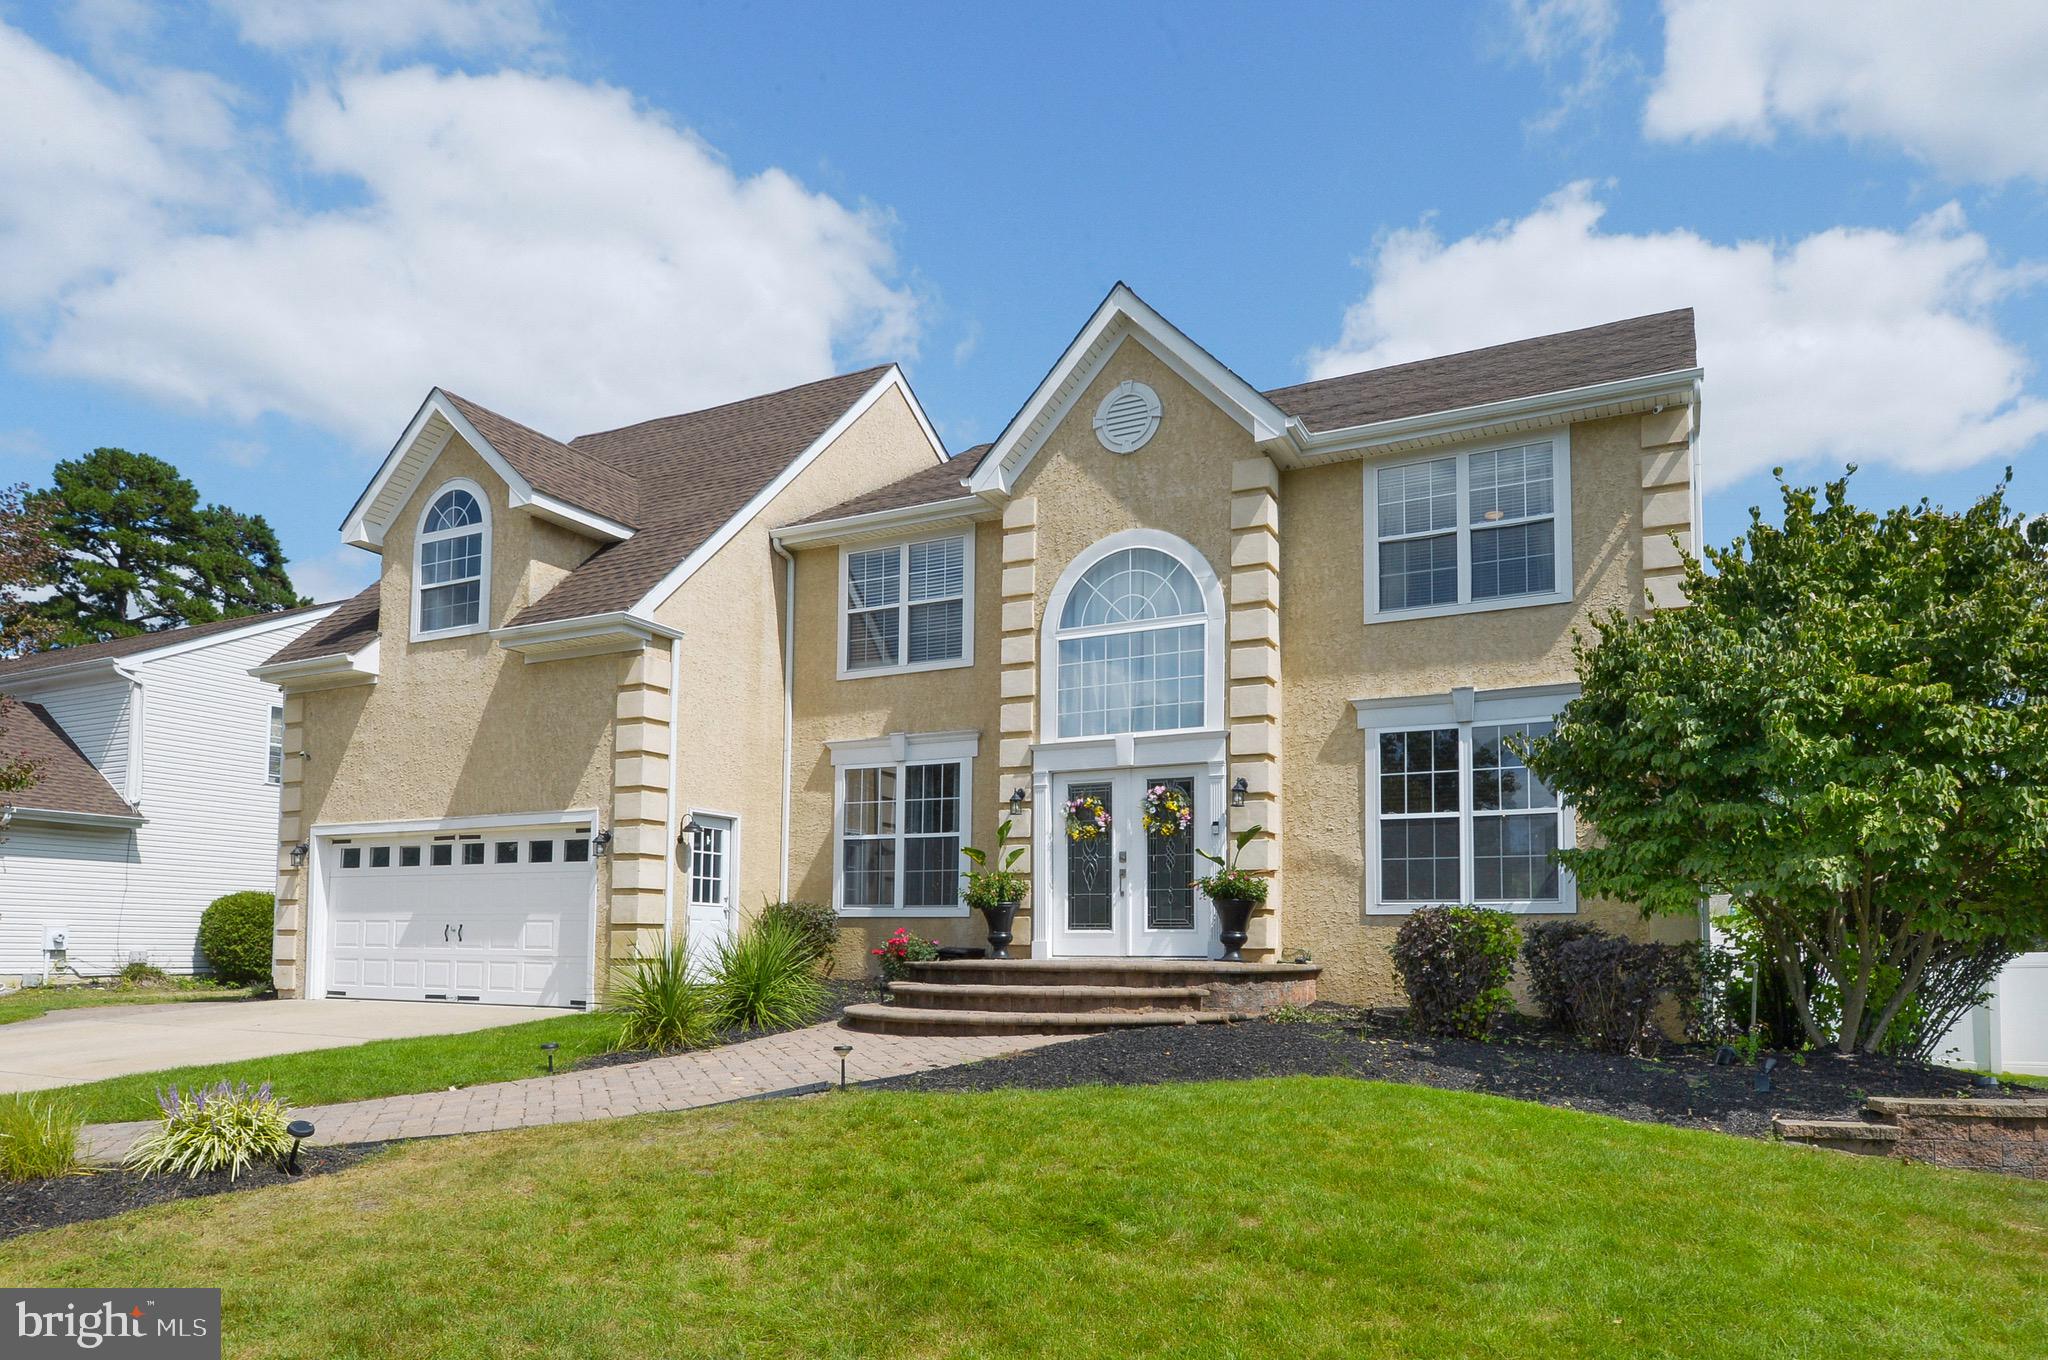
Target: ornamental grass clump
{"points": [[38, 1137], [228, 1126], [1455, 963], [766, 978], [661, 1008]]}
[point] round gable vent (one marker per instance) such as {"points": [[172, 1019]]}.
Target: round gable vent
{"points": [[1127, 418]]}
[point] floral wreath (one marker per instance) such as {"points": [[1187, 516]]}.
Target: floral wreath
{"points": [[1167, 810], [1087, 818]]}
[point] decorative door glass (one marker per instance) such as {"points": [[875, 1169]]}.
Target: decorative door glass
{"points": [[1091, 866], [1170, 862]]}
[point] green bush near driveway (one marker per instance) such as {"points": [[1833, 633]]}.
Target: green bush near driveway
{"points": [[235, 935], [1297, 1217], [38, 1136]]}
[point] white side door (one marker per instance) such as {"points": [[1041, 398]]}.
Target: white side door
{"points": [[712, 913]]}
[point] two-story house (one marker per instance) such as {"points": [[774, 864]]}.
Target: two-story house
{"points": [[645, 680]]}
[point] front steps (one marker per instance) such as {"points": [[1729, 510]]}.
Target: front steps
{"points": [[1080, 996]]}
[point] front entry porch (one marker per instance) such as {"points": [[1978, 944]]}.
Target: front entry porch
{"points": [[1079, 996]]}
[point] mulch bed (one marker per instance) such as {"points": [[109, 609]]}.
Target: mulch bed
{"points": [[839, 994], [1681, 1087], [36, 1205]]}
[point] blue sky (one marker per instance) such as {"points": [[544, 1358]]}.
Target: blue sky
{"points": [[248, 235]]}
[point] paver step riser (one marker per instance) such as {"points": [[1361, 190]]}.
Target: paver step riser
{"points": [[898, 1019], [974, 997], [1105, 973]]}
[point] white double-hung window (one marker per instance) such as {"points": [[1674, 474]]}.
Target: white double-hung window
{"points": [[901, 812], [907, 606], [1452, 814], [1482, 528], [451, 588]]}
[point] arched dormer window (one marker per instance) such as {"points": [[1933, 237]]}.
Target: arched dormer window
{"points": [[1135, 636], [451, 591]]}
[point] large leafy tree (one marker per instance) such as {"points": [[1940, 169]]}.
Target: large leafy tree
{"points": [[26, 553], [1846, 731], [137, 552]]}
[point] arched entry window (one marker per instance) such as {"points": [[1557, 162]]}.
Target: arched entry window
{"points": [[1133, 641], [454, 563]]}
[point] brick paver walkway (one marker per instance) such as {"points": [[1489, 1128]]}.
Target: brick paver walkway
{"points": [[682, 1082]]}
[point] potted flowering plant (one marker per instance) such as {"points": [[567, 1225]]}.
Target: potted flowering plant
{"points": [[1235, 892], [996, 892]]}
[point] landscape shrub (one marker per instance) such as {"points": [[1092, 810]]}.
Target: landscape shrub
{"points": [[143, 974], [1546, 979], [661, 1008], [228, 1126], [766, 978], [1613, 988], [235, 936], [38, 1137], [1455, 963], [813, 920], [902, 948]]}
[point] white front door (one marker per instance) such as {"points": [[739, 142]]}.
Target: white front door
{"points": [[1129, 890], [501, 916], [713, 914]]}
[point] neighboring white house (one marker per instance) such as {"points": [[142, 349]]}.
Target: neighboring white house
{"points": [[158, 766], [2009, 1032]]}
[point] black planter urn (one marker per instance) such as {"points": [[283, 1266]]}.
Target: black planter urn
{"points": [[1235, 914], [1000, 918]]}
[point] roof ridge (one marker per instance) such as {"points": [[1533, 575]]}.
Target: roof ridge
{"points": [[1483, 349], [727, 405]]}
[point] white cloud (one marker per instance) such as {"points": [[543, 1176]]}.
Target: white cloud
{"points": [[537, 243], [332, 576], [1959, 86], [371, 28], [1849, 345], [1558, 33]]}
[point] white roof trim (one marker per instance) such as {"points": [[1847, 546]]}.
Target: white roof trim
{"points": [[101, 667], [1122, 314], [582, 635], [897, 519], [59, 817], [682, 571], [413, 456], [359, 667]]}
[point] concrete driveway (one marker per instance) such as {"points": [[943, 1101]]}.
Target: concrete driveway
{"points": [[68, 1047]]}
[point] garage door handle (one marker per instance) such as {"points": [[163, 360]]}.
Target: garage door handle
{"points": [[444, 933], [458, 934]]}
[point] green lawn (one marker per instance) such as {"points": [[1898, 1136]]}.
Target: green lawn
{"points": [[30, 1002], [2023, 1078], [384, 1068], [1319, 1217]]}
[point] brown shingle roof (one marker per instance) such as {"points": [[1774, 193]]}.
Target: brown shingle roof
{"points": [[1643, 345], [65, 780], [555, 468], [353, 624], [939, 482], [114, 648], [694, 472]]}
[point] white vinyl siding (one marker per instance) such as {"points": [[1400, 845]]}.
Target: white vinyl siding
{"points": [[1476, 529], [906, 606], [97, 716], [210, 810]]}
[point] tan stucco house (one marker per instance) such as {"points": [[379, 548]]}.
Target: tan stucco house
{"points": [[641, 682]]}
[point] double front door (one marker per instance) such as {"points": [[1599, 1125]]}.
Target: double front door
{"points": [[1128, 889]]}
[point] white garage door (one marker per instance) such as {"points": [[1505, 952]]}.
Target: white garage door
{"points": [[502, 916]]}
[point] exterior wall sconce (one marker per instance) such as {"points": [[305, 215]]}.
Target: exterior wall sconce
{"points": [[299, 853], [602, 842], [1238, 791], [1018, 799]]}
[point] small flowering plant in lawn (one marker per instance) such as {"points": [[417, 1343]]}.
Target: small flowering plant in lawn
{"points": [[1087, 818], [224, 1127], [902, 948], [1167, 811], [1230, 883]]}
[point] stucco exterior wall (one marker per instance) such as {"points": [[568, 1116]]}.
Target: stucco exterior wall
{"points": [[730, 611], [829, 709], [1330, 657], [455, 727]]}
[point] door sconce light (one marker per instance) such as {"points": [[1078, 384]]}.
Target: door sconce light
{"points": [[1018, 799], [602, 841], [299, 853], [1238, 791]]}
